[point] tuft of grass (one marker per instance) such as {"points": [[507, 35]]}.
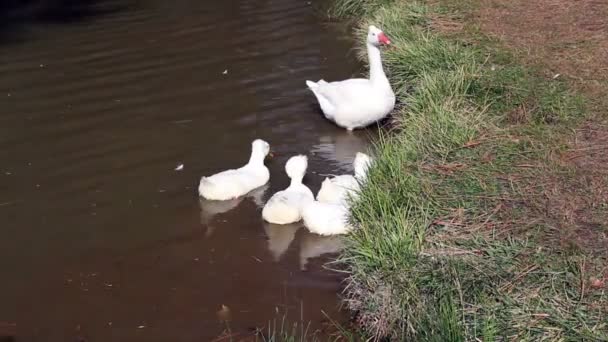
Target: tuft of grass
{"points": [[284, 329], [445, 248]]}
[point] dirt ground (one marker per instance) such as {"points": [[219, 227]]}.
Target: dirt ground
{"points": [[569, 38]]}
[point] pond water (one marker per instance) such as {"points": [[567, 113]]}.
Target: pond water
{"points": [[101, 239]]}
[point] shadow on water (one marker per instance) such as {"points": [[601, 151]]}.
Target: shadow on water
{"points": [[18, 16]]}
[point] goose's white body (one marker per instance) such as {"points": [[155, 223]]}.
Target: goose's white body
{"points": [[358, 102], [231, 184], [286, 206], [337, 189]]}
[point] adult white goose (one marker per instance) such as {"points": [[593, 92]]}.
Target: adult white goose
{"points": [[231, 184], [337, 189], [358, 102], [286, 206]]}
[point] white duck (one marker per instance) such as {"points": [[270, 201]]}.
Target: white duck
{"points": [[231, 184], [286, 206], [337, 189], [358, 102], [329, 214], [326, 218]]}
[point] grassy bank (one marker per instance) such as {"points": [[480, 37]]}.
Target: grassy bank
{"points": [[454, 244]]}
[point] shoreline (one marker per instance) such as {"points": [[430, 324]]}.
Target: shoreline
{"points": [[452, 244]]}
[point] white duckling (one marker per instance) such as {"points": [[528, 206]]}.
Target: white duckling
{"points": [[326, 218], [231, 184], [329, 214], [358, 102], [337, 189], [286, 206]]}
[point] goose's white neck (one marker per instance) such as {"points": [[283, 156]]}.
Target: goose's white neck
{"points": [[257, 158], [295, 182], [376, 72]]}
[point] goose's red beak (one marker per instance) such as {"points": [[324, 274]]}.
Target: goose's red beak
{"points": [[383, 39]]}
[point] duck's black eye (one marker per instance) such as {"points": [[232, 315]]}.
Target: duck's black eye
{"points": [[373, 34]]}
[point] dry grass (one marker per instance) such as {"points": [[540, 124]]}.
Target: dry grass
{"points": [[565, 37]]}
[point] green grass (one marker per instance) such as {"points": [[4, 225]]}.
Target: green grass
{"points": [[445, 250]]}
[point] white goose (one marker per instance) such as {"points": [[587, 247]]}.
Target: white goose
{"points": [[231, 184], [286, 206], [358, 102], [337, 189]]}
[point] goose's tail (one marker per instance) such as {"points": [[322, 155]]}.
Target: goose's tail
{"points": [[311, 84], [205, 187]]}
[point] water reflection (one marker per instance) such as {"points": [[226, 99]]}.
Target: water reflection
{"points": [[280, 237], [211, 208], [313, 246], [340, 148]]}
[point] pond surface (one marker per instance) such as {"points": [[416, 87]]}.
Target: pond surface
{"points": [[101, 239]]}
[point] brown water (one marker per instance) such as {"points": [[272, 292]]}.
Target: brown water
{"points": [[100, 238]]}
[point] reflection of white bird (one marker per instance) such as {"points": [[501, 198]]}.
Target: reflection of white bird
{"points": [[211, 208], [341, 148], [313, 246], [280, 237]]}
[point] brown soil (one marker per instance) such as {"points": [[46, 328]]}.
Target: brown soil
{"points": [[568, 38]]}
